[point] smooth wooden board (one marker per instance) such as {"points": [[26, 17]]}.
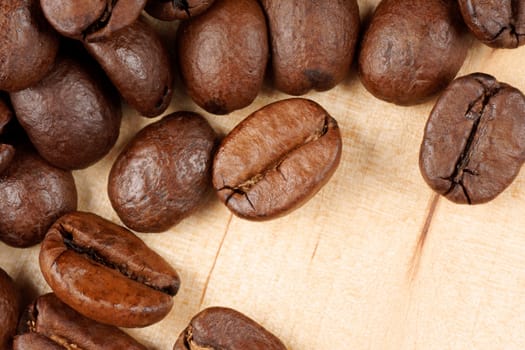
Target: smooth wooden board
{"points": [[374, 261]]}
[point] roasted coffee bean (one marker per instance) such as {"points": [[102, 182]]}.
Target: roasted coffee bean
{"points": [[164, 173], [53, 320], [276, 159], [33, 195], [223, 55], [170, 10], [474, 143], [412, 49], [7, 152], [91, 20], [226, 329], [71, 116], [497, 23], [35, 341], [28, 45], [138, 65], [9, 310], [312, 42], [106, 273]]}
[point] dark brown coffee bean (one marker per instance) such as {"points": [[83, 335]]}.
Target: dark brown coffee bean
{"points": [[138, 65], [474, 143], [163, 174], [226, 329], [412, 49], [7, 152], [71, 116], [497, 23], [33, 195], [9, 310], [170, 10], [35, 341], [223, 55], [313, 42], [277, 159], [28, 46], [91, 20], [50, 318], [106, 273]]}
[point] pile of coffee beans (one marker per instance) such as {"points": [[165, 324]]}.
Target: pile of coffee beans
{"points": [[66, 67]]}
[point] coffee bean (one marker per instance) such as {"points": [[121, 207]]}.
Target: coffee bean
{"points": [[223, 55], [497, 23], [106, 273], [226, 329], [9, 309], [474, 143], [170, 10], [7, 152], [312, 42], [71, 116], [138, 65], [276, 159], [35, 341], [164, 173], [28, 46], [51, 319], [33, 195], [412, 49], [91, 20]]}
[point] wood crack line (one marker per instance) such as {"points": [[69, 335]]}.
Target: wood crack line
{"points": [[205, 289]]}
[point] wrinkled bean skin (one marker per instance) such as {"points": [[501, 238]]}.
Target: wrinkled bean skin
{"points": [[35, 341], [134, 285], [137, 63], [170, 10], [34, 194], [28, 45], [164, 173], [9, 310], [277, 159], [226, 329], [497, 23], [223, 55], [72, 116], [412, 49], [312, 42], [50, 318], [7, 152], [91, 20], [474, 143]]}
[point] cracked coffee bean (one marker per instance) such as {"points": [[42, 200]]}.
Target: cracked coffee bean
{"points": [[223, 55], [72, 116], [7, 152], [28, 45], [412, 49], [9, 309], [170, 10], [312, 42], [497, 23], [226, 329], [106, 273], [91, 20], [49, 321], [277, 159], [137, 63], [164, 173], [474, 143], [34, 194]]}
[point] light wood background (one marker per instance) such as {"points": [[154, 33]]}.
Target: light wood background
{"points": [[373, 261]]}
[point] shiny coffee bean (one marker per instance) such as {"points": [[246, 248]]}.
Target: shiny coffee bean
{"points": [[170, 10], [106, 273], [223, 55], [51, 319], [474, 143], [277, 159], [164, 173], [9, 309], [312, 42], [226, 329], [138, 65], [412, 49]]}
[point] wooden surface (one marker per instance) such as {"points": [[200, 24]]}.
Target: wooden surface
{"points": [[373, 261]]}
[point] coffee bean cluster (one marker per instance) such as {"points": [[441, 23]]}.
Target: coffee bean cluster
{"points": [[65, 66]]}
